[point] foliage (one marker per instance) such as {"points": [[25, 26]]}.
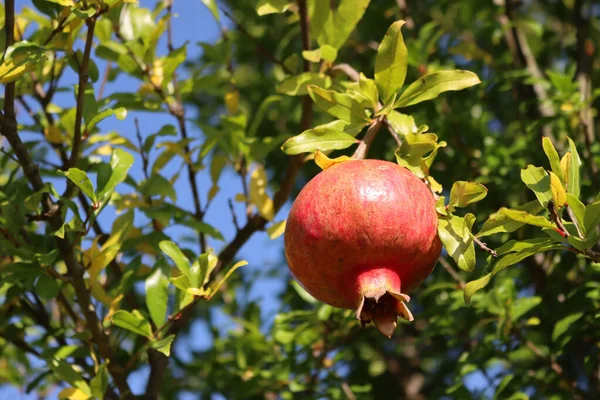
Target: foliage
{"points": [[109, 256]]}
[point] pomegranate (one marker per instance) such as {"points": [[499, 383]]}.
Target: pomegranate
{"points": [[361, 234]]}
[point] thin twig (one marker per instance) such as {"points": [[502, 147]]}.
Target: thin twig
{"points": [[233, 216], [452, 272], [484, 247], [83, 80]]}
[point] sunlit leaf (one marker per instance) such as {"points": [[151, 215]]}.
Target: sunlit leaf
{"points": [[258, 193], [276, 230], [430, 86], [573, 173], [157, 296], [324, 137], [500, 222], [332, 26], [265, 7], [325, 162], [82, 181], [455, 234], [133, 322], [173, 251], [163, 345], [464, 193], [553, 157], [538, 180], [559, 196], [391, 62], [340, 105]]}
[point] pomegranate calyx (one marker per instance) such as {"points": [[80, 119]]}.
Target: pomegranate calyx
{"points": [[383, 309]]}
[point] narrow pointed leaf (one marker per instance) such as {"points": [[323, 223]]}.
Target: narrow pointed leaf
{"points": [[538, 180], [391, 62], [132, 322], [430, 86]]}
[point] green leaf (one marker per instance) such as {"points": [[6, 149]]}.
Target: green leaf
{"points": [[173, 60], [32, 202], [133, 322], [215, 288], [158, 185], [368, 89], [322, 138], [500, 222], [340, 105], [413, 149], [47, 287], [402, 124], [171, 250], [464, 193], [66, 373], [592, 217], [538, 180], [430, 86], [510, 253], [324, 52], [260, 114], [265, 7], [333, 26], [99, 383], [120, 113], [297, 85], [120, 163], [157, 296], [523, 305], [574, 176], [455, 234], [564, 324], [213, 8], [578, 209], [553, 157], [526, 218], [82, 181], [163, 345], [391, 62]]}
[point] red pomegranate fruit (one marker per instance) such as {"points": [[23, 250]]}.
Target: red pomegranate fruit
{"points": [[361, 234]]}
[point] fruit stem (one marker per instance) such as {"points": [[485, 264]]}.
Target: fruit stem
{"points": [[365, 143]]}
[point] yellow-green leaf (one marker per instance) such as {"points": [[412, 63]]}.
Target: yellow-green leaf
{"points": [[258, 193], [538, 180], [276, 230], [73, 394], [216, 287], [340, 105], [455, 234], [463, 193], [552, 155], [559, 196], [391, 62], [325, 162], [323, 137], [500, 222], [430, 86]]}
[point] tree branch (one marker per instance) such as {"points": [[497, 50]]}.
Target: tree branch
{"points": [[83, 79], [365, 143]]}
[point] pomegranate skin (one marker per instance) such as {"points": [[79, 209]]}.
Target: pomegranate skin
{"points": [[361, 229]]}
